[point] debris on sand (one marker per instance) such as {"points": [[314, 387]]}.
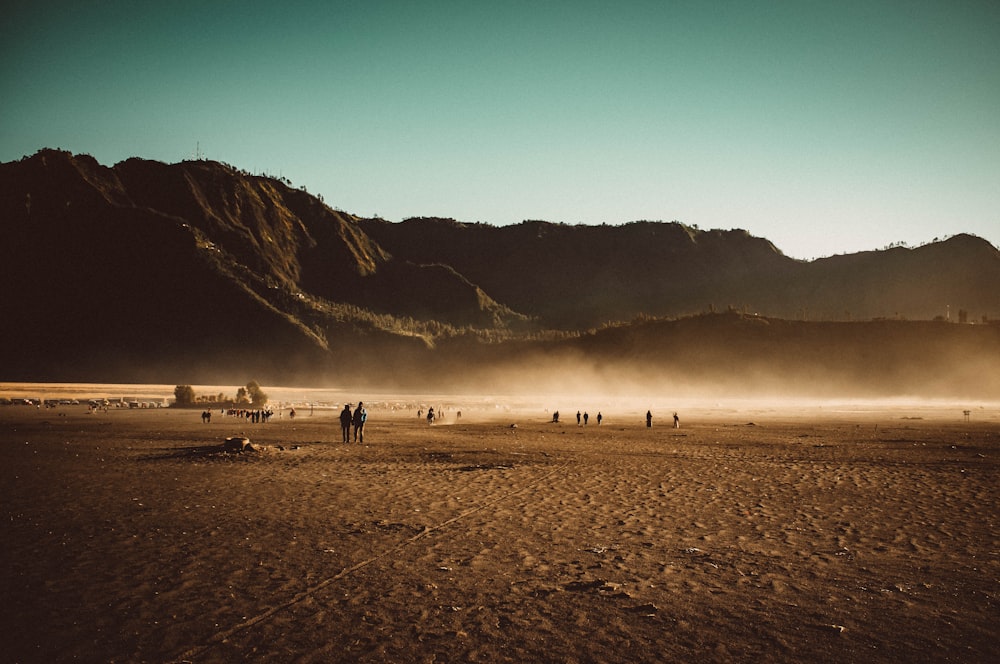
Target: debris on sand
{"points": [[649, 609], [237, 444]]}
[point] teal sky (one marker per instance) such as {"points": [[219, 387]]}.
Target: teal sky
{"points": [[826, 127]]}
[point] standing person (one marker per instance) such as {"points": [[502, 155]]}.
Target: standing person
{"points": [[577, 418], [649, 419], [677, 421], [360, 417], [345, 423], [599, 418], [586, 418]]}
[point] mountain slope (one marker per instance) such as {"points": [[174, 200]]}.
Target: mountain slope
{"points": [[196, 266], [958, 274], [582, 276], [279, 235]]}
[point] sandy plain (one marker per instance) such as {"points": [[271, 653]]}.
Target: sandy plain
{"points": [[865, 535]]}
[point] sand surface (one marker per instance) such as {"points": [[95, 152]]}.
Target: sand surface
{"points": [[851, 536]]}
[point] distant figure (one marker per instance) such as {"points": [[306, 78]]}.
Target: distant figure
{"points": [[420, 413], [206, 416], [430, 415], [555, 417], [291, 414], [458, 415], [677, 421], [345, 422], [649, 419], [586, 418], [577, 418], [599, 418], [360, 417]]}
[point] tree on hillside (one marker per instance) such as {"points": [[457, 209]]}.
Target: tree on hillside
{"points": [[184, 395]]}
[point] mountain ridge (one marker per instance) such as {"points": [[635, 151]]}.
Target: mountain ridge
{"points": [[669, 269], [197, 269]]}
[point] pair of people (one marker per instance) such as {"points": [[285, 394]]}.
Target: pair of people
{"points": [[358, 419], [649, 420]]}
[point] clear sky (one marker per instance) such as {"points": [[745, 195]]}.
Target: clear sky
{"points": [[826, 127]]}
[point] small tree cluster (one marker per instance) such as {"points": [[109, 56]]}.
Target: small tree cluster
{"points": [[251, 394], [184, 395]]}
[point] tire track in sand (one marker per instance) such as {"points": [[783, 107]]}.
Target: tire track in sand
{"points": [[221, 637]]}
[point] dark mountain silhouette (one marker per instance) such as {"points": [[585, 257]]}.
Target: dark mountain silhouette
{"points": [[582, 276], [200, 260], [198, 273]]}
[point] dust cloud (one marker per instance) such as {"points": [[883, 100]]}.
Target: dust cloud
{"points": [[842, 364]]}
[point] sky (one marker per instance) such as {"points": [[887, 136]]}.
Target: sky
{"points": [[825, 127]]}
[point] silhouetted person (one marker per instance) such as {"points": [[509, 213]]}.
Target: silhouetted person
{"points": [[555, 417], [649, 419], [430, 415], [577, 418], [345, 422], [360, 417], [677, 421], [586, 418], [599, 418]]}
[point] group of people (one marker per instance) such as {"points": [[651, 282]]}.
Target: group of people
{"points": [[359, 416], [582, 419], [433, 417], [356, 419], [254, 416]]}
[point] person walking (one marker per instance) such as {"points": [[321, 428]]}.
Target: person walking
{"points": [[677, 421], [345, 423], [649, 419], [360, 417], [599, 418]]}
